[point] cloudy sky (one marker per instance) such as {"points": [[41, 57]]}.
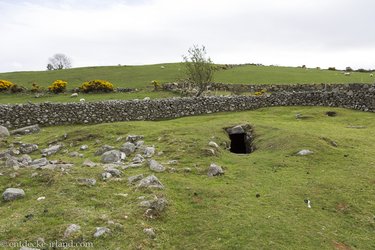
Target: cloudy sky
{"points": [[321, 33]]}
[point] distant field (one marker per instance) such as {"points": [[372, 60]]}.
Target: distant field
{"points": [[141, 76]]}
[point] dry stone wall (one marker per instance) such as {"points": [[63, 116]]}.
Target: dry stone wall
{"points": [[46, 114]]}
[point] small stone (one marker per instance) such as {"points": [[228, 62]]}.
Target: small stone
{"points": [[150, 181], [4, 132], [41, 198], [89, 163], [39, 162], [150, 232], [155, 166], [84, 147], [106, 176], [149, 152], [128, 148], [139, 144], [187, 170], [114, 172], [103, 149], [305, 152], [135, 178], [213, 144], [134, 138], [51, 150], [12, 162], [101, 231], [11, 194], [28, 148], [138, 159], [173, 162], [214, 170], [87, 181], [75, 154], [71, 230]]}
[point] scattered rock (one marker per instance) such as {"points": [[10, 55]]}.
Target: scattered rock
{"points": [[101, 231], [89, 163], [150, 181], [4, 132], [149, 152], [41, 198], [329, 141], [103, 149], [139, 144], [134, 138], [150, 232], [51, 150], [11, 194], [209, 151], [214, 170], [114, 172], [71, 230], [155, 166], [106, 176], [25, 160], [75, 154], [305, 152], [12, 162], [28, 148], [187, 170], [87, 181], [135, 178], [112, 156], [236, 130], [84, 147], [128, 148], [138, 159], [172, 162], [39, 163], [26, 130], [213, 144], [155, 207]]}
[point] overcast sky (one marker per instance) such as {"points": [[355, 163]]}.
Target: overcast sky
{"points": [[321, 33]]}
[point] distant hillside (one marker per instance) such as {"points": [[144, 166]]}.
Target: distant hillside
{"points": [[141, 76]]}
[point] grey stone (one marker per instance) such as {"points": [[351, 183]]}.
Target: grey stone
{"points": [[139, 144], [103, 149], [150, 232], [39, 163], [12, 162], [138, 159], [51, 150], [155, 166], [128, 148], [75, 154], [236, 130], [4, 132], [213, 144], [71, 230], [11, 194], [114, 172], [173, 162], [28, 148], [84, 147], [25, 160], [89, 163], [214, 170], [87, 181], [26, 130], [150, 181], [101, 231], [112, 156], [106, 176], [134, 138], [149, 152], [305, 152], [135, 178]]}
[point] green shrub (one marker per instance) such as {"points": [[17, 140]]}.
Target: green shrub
{"points": [[332, 68], [35, 88], [5, 85], [58, 86], [96, 86]]}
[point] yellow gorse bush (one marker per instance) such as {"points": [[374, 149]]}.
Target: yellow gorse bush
{"points": [[96, 86], [58, 86], [5, 85]]}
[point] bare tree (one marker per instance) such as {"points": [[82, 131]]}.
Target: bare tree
{"points": [[59, 61], [199, 68]]}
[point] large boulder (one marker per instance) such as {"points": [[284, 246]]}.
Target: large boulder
{"points": [[11, 194], [26, 130], [4, 132], [113, 156]]}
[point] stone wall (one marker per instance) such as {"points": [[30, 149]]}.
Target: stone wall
{"points": [[360, 97]]}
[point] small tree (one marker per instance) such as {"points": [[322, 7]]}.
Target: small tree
{"points": [[199, 68], [59, 61]]}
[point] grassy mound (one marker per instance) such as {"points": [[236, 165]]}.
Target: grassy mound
{"points": [[211, 213]]}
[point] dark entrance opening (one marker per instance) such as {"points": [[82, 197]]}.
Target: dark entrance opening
{"points": [[241, 139], [238, 144]]}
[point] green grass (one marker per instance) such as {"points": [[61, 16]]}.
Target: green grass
{"points": [[213, 213]]}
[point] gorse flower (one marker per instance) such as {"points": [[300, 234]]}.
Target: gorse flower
{"points": [[5, 85], [58, 86], [96, 86]]}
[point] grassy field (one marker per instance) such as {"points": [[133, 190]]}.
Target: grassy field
{"points": [[212, 213], [140, 77]]}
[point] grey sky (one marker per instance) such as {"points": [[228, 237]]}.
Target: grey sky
{"points": [[321, 33]]}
